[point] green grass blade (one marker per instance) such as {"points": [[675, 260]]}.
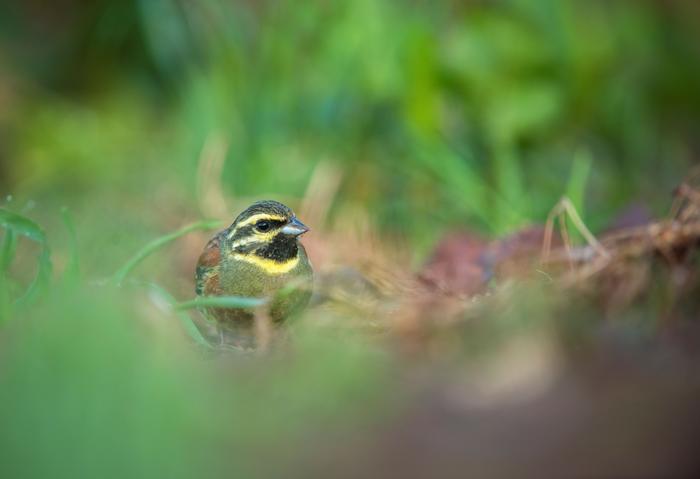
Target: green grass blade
{"points": [[41, 280], [187, 323], [578, 181], [158, 243], [222, 302], [22, 226], [5, 301], [8, 250], [72, 272], [6, 254]]}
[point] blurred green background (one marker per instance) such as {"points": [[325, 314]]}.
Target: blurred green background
{"points": [[436, 113], [139, 116]]}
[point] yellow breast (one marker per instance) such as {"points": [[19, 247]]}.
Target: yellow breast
{"points": [[268, 265]]}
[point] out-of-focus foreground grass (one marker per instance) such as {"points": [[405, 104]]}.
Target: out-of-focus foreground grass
{"points": [[385, 121]]}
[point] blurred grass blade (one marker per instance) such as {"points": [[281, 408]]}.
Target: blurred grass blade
{"points": [[41, 280], [6, 254], [157, 243], [5, 302], [9, 244], [20, 225], [222, 302], [509, 181], [72, 272], [190, 327], [465, 186], [578, 180]]}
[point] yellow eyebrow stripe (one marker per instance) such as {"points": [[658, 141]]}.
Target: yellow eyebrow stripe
{"points": [[268, 265]]}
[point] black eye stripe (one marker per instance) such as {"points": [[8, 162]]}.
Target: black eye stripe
{"points": [[267, 225], [251, 231]]}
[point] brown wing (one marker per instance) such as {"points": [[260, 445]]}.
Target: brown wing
{"points": [[207, 272]]}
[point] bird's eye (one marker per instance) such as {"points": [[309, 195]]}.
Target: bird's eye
{"points": [[262, 226]]}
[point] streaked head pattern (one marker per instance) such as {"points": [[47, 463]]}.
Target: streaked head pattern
{"points": [[267, 230]]}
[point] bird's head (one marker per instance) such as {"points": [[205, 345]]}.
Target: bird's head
{"points": [[266, 230]]}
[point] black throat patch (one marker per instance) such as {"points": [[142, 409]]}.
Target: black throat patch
{"points": [[281, 249]]}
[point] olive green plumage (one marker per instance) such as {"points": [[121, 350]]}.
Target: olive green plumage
{"points": [[256, 257]]}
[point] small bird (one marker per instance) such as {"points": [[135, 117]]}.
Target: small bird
{"points": [[255, 257]]}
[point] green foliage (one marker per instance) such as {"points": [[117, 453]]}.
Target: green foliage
{"points": [[472, 112], [88, 390]]}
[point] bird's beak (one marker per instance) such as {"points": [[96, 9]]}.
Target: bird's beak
{"points": [[295, 228]]}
